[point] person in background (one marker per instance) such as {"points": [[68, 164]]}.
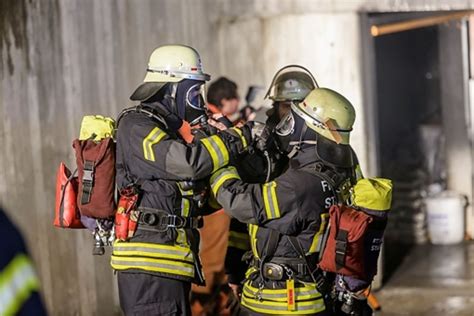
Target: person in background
{"points": [[223, 98], [19, 286]]}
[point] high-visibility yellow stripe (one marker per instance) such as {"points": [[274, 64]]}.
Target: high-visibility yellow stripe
{"points": [[152, 139], [241, 135], [183, 250], [182, 238], [17, 282], [305, 292], [139, 253], [253, 239], [251, 270], [239, 240], [270, 200], [154, 265], [217, 150], [281, 308], [316, 244], [189, 192], [215, 186], [215, 159], [275, 301]]}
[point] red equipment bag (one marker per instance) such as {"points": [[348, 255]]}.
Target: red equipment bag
{"points": [[344, 252], [96, 175], [66, 212]]}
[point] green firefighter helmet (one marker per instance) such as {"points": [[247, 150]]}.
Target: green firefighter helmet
{"points": [[328, 113], [170, 63], [291, 83]]}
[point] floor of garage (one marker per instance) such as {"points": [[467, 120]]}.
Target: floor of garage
{"points": [[433, 280]]}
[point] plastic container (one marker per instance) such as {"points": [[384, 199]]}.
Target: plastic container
{"points": [[445, 216]]}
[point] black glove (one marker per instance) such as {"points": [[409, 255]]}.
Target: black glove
{"points": [[238, 139]]}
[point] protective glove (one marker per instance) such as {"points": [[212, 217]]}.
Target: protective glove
{"points": [[238, 138], [261, 135]]}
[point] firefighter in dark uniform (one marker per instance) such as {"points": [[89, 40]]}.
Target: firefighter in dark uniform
{"points": [[157, 265], [19, 286], [288, 216], [291, 83]]}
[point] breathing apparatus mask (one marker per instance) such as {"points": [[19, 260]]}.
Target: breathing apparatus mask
{"points": [[186, 100], [292, 134]]}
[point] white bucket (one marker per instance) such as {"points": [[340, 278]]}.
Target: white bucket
{"points": [[446, 218]]}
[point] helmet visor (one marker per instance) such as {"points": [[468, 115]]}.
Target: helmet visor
{"points": [[291, 83], [195, 96], [286, 125]]}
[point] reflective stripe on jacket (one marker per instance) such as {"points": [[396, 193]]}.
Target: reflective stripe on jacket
{"points": [[17, 282], [166, 259]]}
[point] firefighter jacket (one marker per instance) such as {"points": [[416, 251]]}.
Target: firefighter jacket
{"points": [[19, 284], [291, 209], [169, 173]]}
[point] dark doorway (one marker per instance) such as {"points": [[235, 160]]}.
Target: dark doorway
{"points": [[417, 94]]}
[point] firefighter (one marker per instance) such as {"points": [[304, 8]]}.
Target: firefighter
{"points": [[290, 84], [156, 266], [287, 216], [19, 285]]}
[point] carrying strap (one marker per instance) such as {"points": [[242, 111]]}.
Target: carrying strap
{"points": [[299, 250], [135, 181], [87, 181], [337, 181], [146, 110], [270, 249], [89, 169], [341, 241], [341, 248], [322, 284]]}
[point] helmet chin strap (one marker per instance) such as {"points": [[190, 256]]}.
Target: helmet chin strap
{"points": [[297, 144]]}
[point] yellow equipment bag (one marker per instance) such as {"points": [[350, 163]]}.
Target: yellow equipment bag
{"points": [[97, 128], [373, 194]]}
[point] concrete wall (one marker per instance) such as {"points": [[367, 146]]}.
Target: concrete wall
{"points": [[64, 59], [60, 61]]}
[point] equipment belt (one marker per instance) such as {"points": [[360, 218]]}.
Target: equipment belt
{"points": [[272, 268], [153, 219]]}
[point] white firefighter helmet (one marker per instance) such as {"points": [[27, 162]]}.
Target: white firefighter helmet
{"points": [[328, 113], [170, 63]]}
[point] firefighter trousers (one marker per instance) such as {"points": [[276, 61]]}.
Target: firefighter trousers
{"points": [[150, 295]]}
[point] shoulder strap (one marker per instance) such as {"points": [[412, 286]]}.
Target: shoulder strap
{"points": [[339, 182], [299, 250], [143, 109]]}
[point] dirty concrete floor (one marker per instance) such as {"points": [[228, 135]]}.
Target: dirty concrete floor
{"points": [[432, 281]]}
